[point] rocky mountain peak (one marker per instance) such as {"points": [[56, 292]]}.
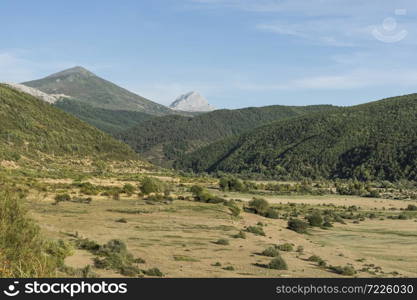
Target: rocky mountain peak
{"points": [[191, 101]]}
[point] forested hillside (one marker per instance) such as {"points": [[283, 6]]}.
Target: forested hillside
{"points": [[31, 128], [377, 140], [110, 121], [165, 139]]}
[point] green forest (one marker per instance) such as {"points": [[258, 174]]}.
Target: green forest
{"points": [[165, 139], [372, 141]]}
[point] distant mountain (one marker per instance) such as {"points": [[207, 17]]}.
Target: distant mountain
{"points": [[192, 102], [32, 130], [84, 86], [163, 140], [372, 141]]}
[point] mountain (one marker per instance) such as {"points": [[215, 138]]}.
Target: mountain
{"points": [[32, 129], [372, 141], [84, 86], [50, 98], [192, 102], [163, 140]]}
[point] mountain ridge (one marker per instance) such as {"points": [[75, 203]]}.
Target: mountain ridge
{"points": [[85, 86]]}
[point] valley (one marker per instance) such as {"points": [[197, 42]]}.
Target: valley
{"points": [[87, 190]]}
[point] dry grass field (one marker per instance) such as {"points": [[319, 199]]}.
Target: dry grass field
{"points": [[181, 238]]}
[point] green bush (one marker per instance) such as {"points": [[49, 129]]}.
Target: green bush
{"points": [[231, 184], [297, 225], [152, 185], [202, 195], [259, 205], [62, 198], [285, 247], [346, 270], [270, 251], [234, 209], [240, 235], [23, 251], [272, 214], [315, 220], [256, 230], [314, 258], [128, 189], [153, 272], [278, 263]]}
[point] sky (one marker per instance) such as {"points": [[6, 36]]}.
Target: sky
{"points": [[236, 53]]}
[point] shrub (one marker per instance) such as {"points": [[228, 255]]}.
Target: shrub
{"points": [[270, 251], [272, 214], [229, 268], [346, 270], [318, 260], [327, 224], [412, 207], [278, 263], [113, 255], [234, 209], [259, 206], [153, 272], [152, 185], [130, 271], [62, 198], [222, 242], [128, 189], [285, 247], [196, 189], [203, 195], [297, 225], [23, 251], [87, 188], [231, 184], [256, 230], [315, 220], [240, 235], [121, 220]]}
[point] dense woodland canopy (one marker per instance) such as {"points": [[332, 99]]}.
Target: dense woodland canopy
{"points": [[165, 139], [372, 141], [29, 127]]}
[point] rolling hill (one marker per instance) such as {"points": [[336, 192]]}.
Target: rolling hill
{"points": [[31, 128], [82, 85], [377, 140], [165, 139]]}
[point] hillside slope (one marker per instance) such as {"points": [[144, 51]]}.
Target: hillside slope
{"points": [[377, 140], [165, 139], [109, 121], [32, 128], [85, 86]]}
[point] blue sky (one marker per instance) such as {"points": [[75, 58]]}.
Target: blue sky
{"points": [[236, 53]]}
